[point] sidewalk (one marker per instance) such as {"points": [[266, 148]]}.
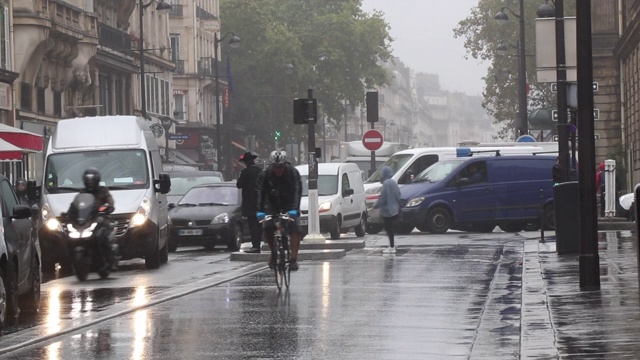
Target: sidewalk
{"points": [[561, 321]]}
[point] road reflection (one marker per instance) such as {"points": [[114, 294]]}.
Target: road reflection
{"points": [[141, 323]]}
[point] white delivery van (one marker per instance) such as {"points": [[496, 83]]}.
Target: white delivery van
{"points": [[125, 152], [340, 199], [407, 164]]}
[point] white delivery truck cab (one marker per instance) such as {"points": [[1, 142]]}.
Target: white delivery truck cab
{"points": [[125, 152], [359, 155], [407, 164]]}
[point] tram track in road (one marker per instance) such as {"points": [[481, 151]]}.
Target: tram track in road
{"points": [[47, 332]]}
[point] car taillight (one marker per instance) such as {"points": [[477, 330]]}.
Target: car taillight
{"points": [[372, 197]]}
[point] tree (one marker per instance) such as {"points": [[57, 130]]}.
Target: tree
{"points": [[482, 35], [334, 46]]}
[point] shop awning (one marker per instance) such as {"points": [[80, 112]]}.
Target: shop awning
{"points": [[21, 138], [11, 153]]}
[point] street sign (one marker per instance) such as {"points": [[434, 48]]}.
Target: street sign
{"points": [[179, 136], [595, 137], [554, 114], [526, 138], [372, 139], [594, 86]]}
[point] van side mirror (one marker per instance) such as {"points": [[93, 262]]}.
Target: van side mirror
{"points": [[172, 206], [21, 212], [347, 192], [164, 182]]}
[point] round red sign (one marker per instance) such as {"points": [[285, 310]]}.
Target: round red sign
{"points": [[372, 140]]}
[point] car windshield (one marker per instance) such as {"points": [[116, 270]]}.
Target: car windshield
{"points": [[180, 185], [327, 185], [395, 162], [119, 169], [365, 165], [210, 195], [439, 171]]}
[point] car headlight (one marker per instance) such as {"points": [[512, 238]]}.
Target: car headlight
{"points": [[141, 216], [415, 201], [325, 206], [53, 224], [220, 219], [168, 220]]}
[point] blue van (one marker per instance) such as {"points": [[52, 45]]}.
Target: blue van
{"points": [[478, 193]]}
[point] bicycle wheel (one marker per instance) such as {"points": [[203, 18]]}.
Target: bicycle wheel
{"points": [[286, 270], [279, 263]]}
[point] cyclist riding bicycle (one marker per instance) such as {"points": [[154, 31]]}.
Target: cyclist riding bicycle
{"points": [[279, 191]]}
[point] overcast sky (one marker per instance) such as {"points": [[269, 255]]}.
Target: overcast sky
{"points": [[423, 40]]}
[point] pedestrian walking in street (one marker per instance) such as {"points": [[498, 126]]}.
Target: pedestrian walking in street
{"points": [[247, 182], [389, 205], [21, 192]]}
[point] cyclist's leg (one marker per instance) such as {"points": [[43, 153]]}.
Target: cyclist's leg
{"points": [[268, 235], [294, 240]]}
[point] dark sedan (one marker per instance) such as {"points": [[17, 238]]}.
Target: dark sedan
{"points": [[208, 215]]}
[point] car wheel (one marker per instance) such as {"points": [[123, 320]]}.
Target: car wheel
{"points": [[549, 218], [152, 257], [360, 229], [173, 245], [13, 310], [4, 297], [235, 240], [439, 220], [335, 232], [374, 229], [30, 301], [164, 253], [512, 226]]}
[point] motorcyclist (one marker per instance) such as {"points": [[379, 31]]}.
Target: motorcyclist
{"points": [[21, 192], [91, 179]]}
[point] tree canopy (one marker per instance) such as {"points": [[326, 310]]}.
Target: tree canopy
{"points": [[483, 34], [331, 46]]}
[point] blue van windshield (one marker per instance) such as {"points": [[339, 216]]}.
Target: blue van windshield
{"points": [[439, 171], [395, 163], [119, 169]]}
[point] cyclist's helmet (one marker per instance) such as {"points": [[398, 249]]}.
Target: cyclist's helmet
{"points": [[278, 157], [91, 178]]}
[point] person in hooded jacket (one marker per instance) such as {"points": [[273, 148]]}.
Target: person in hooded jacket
{"points": [[21, 192], [389, 205]]}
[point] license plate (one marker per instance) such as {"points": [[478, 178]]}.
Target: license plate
{"points": [[190, 232], [304, 222]]}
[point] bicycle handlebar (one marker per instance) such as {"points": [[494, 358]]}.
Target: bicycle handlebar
{"points": [[283, 216]]}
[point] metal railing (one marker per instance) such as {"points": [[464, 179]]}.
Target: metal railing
{"points": [[113, 38]]}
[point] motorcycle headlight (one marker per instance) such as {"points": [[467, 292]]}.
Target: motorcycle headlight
{"points": [[220, 219], [53, 224], [415, 201], [141, 216], [325, 206]]}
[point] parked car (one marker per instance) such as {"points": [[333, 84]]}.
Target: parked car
{"points": [[507, 191], [340, 199], [19, 256], [208, 215], [182, 181]]}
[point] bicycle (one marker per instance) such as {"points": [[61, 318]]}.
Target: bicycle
{"points": [[280, 249]]}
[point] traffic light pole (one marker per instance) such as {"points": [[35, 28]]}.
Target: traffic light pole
{"points": [[313, 234]]}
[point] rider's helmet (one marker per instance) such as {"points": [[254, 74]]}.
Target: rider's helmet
{"points": [[278, 157], [91, 178]]}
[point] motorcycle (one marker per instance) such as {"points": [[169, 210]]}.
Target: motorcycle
{"points": [[89, 237]]}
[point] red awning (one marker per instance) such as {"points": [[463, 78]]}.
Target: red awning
{"points": [[21, 138], [11, 153]]}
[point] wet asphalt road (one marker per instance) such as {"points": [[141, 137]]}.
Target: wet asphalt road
{"points": [[457, 297], [452, 296]]}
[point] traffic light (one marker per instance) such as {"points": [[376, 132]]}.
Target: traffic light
{"points": [[277, 135], [557, 174], [302, 112]]}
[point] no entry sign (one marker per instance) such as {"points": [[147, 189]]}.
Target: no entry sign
{"points": [[372, 140]]}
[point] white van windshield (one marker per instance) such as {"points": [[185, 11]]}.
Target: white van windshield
{"points": [[395, 163], [439, 171], [327, 185], [365, 165], [119, 169]]}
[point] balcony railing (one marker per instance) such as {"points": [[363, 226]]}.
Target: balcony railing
{"points": [[204, 67], [179, 66], [203, 14], [113, 38], [176, 10]]}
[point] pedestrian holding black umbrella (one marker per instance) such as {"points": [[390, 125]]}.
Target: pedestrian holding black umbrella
{"points": [[247, 182]]}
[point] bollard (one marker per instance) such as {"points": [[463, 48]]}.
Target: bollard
{"points": [[609, 188], [566, 203], [542, 223]]}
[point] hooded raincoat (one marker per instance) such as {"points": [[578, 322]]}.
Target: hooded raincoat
{"points": [[389, 200]]}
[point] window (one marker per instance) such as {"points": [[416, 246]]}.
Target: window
{"points": [[106, 97], [9, 197], [5, 43], [158, 98], [180, 112], [41, 100], [345, 182], [57, 103], [175, 47]]}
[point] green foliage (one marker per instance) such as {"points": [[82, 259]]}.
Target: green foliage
{"points": [[483, 34], [335, 49]]}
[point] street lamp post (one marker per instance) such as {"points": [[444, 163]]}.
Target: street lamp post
{"points": [[502, 18], [234, 42], [162, 8]]}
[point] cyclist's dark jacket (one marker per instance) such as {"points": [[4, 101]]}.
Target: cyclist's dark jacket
{"points": [[279, 194]]}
